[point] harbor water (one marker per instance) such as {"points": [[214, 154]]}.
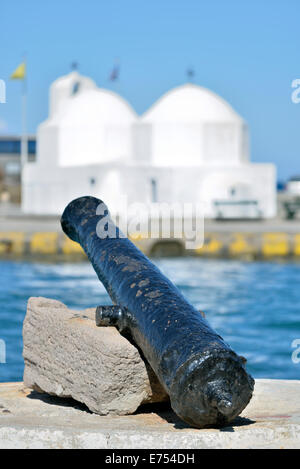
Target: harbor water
{"points": [[254, 306]]}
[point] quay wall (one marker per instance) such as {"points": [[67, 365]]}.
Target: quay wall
{"points": [[234, 244]]}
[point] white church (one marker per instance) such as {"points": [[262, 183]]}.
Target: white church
{"points": [[190, 146]]}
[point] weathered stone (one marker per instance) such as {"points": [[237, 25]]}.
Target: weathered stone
{"points": [[66, 355]]}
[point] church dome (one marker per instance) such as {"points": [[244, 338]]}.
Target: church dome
{"points": [[190, 103], [87, 125], [96, 107], [192, 126], [94, 127], [65, 87]]}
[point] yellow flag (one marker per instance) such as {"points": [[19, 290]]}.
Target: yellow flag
{"points": [[19, 73]]}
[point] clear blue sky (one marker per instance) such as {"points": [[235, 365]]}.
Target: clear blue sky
{"points": [[247, 51]]}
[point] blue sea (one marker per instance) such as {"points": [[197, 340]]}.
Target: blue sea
{"points": [[254, 306]]}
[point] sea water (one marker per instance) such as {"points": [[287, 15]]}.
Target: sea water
{"points": [[254, 306]]}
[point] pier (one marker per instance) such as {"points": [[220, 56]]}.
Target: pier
{"points": [[41, 236]]}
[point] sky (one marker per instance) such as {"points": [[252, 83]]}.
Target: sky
{"points": [[246, 51]]}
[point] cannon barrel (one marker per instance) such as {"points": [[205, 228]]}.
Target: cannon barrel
{"points": [[205, 379]]}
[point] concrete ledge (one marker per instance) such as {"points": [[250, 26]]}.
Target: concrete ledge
{"points": [[32, 420]]}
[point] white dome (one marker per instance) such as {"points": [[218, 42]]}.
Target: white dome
{"points": [[68, 80], [192, 126], [94, 127], [88, 125], [190, 103], [95, 107], [65, 87]]}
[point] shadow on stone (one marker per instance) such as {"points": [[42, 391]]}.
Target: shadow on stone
{"points": [[164, 411], [237, 422], [58, 401]]}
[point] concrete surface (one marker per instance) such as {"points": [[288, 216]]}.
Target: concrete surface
{"points": [[32, 420]]}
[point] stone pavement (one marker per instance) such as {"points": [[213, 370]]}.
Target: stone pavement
{"points": [[32, 420]]}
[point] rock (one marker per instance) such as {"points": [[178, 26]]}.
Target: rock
{"points": [[66, 355]]}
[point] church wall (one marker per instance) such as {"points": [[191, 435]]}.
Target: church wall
{"points": [[142, 142], [177, 144], [244, 144], [197, 144], [80, 146], [221, 143], [249, 182], [47, 145], [49, 192], [149, 184]]}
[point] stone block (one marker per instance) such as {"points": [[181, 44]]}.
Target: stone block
{"points": [[67, 355]]}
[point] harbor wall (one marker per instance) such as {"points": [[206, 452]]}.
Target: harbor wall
{"points": [[244, 245]]}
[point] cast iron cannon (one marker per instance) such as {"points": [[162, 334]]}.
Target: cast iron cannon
{"points": [[205, 379]]}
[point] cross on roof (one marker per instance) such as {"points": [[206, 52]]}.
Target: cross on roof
{"points": [[190, 74]]}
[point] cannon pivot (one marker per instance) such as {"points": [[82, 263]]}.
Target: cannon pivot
{"points": [[109, 316]]}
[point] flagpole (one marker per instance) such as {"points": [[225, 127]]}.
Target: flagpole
{"points": [[20, 73], [24, 137]]}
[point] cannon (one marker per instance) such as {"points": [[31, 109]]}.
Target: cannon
{"points": [[205, 379]]}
